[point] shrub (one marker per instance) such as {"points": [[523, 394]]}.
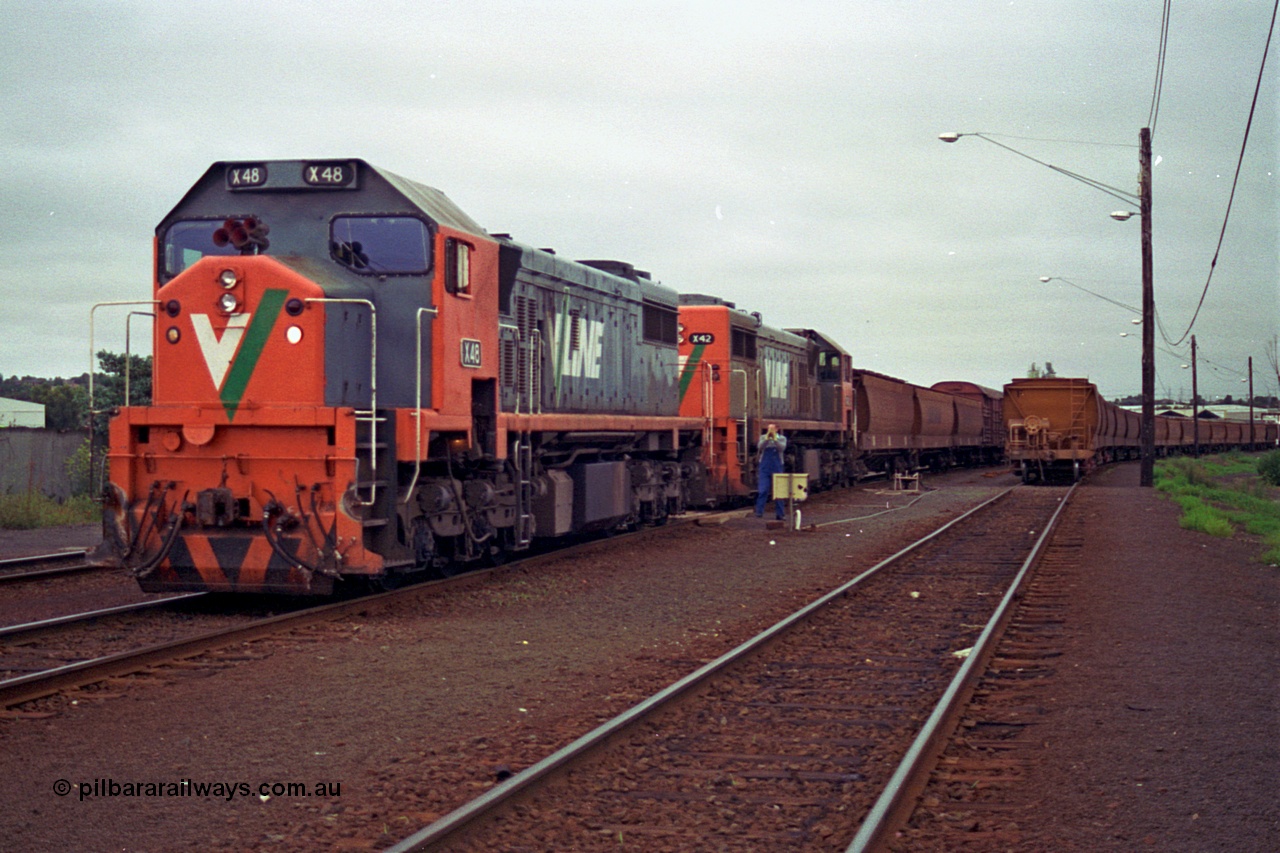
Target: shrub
{"points": [[31, 510], [1206, 519], [1269, 467]]}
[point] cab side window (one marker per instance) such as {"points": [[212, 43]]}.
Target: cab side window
{"points": [[457, 270]]}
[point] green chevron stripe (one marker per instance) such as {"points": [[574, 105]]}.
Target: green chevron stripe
{"points": [[255, 338], [690, 369]]}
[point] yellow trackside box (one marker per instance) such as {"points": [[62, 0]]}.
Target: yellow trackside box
{"points": [[790, 486]]}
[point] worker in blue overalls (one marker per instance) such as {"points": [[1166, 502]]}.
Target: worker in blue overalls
{"points": [[771, 448]]}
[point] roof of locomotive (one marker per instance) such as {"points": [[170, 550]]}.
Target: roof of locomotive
{"points": [[617, 278], [743, 319], [367, 188], [225, 178], [820, 339]]}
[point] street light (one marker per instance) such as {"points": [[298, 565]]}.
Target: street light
{"points": [[1143, 197]]}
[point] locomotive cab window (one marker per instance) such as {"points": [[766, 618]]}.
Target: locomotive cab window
{"points": [[381, 245], [457, 269], [187, 242], [828, 366]]}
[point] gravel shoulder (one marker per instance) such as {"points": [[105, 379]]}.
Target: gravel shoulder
{"points": [[1161, 725]]}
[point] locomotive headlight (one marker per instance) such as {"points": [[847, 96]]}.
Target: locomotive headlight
{"points": [[172, 335], [228, 279], [293, 334], [228, 303]]}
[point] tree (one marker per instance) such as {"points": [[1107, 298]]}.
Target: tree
{"points": [[66, 401], [109, 386], [66, 405]]}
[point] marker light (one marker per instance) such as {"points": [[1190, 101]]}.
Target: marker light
{"points": [[228, 279], [293, 334], [228, 303], [173, 308], [172, 335]]}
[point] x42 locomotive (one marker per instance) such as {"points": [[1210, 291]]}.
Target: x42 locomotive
{"points": [[354, 380]]}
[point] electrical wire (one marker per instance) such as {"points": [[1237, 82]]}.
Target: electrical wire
{"points": [[1235, 181], [1154, 114], [1116, 192], [1063, 141]]}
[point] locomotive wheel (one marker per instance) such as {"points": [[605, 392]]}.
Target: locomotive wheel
{"points": [[496, 549], [388, 582]]}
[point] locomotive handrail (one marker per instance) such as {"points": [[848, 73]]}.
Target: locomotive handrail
{"points": [[128, 351], [709, 410], [151, 302], [743, 451], [93, 413], [373, 393], [417, 403]]}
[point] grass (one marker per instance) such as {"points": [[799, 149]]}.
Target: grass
{"points": [[1222, 494], [32, 510]]}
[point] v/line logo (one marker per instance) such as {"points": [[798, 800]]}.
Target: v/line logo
{"points": [[232, 356]]}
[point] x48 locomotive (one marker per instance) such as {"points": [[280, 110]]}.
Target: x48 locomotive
{"points": [[353, 379]]}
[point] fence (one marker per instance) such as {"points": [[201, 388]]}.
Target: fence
{"points": [[35, 460]]}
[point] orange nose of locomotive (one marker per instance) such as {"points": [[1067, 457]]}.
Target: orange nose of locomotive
{"points": [[239, 332], [231, 479]]}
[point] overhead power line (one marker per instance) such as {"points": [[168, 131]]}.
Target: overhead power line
{"points": [[1154, 113], [1244, 143]]}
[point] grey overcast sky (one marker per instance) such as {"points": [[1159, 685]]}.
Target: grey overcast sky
{"points": [[784, 156]]}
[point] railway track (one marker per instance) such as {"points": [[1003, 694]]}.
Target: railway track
{"points": [[43, 566], [38, 658], [92, 646], [966, 804], [793, 738]]}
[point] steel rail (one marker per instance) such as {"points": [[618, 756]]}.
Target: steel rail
{"points": [[89, 615], [45, 574], [56, 557], [475, 809], [52, 572], [897, 801], [39, 684]]}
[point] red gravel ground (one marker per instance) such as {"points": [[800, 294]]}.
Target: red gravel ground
{"points": [[1161, 723], [1160, 727]]}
